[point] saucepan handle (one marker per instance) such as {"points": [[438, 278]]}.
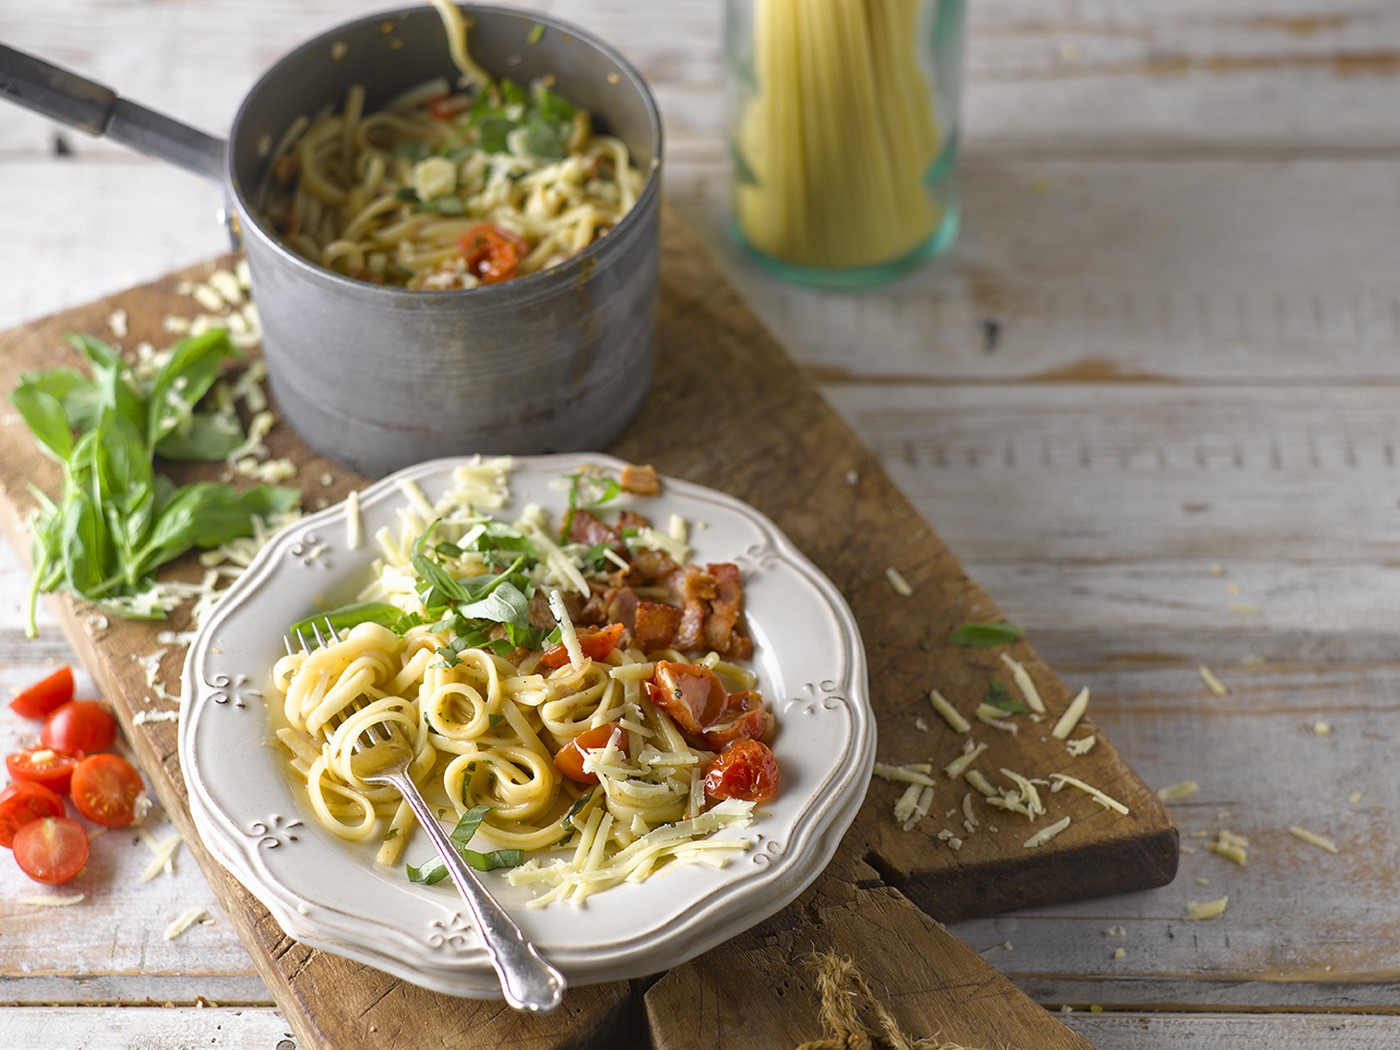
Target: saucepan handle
{"points": [[80, 103]]}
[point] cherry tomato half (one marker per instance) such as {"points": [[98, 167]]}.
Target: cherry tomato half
{"points": [[746, 770], [22, 803], [108, 790], [596, 643], [45, 695], [569, 759], [744, 718], [79, 725], [43, 765], [492, 252], [52, 849]]}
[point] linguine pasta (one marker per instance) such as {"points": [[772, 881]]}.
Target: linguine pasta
{"points": [[488, 705], [448, 186]]}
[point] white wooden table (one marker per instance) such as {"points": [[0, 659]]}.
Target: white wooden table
{"points": [[1150, 400]]}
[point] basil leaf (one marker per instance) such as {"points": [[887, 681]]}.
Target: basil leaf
{"points": [[504, 604], [86, 544], [207, 437], [112, 387], [435, 871], [193, 366], [208, 514], [78, 394], [999, 697], [543, 138], [382, 613], [46, 418], [986, 635]]}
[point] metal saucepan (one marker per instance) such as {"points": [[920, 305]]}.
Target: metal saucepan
{"points": [[380, 377]]}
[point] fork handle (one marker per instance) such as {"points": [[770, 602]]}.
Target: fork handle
{"points": [[527, 981]]}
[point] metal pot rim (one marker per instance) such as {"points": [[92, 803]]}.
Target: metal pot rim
{"points": [[567, 270]]}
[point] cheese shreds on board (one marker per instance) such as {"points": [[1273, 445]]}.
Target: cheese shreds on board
{"points": [[920, 808], [981, 783], [898, 582], [1312, 839], [958, 766], [184, 921], [904, 807], [969, 820], [1059, 780], [51, 900], [1082, 746], [1025, 799], [949, 713], [1065, 726], [1179, 790], [567, 634], [1047, 833], [164, 851], [145, 716], [1206, 910], [1230, 846], [992, 716], [1023, 681], [906, 774], [1215, 685]]}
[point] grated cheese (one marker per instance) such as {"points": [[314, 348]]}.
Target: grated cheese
{"points": [[116, 320], [993, 716], [1215, 685], [50, 900], [1312, 839], [1115, 931], [143, 717], [898, 582], [1059, 780], [969, 820], [1179, 790], [1024, 800], [1230, 846], [904, 807], [920, 808], [186, 919], [958, 766], [1045, 834], [981, 783], [956, 721], [164, 860], [905, 774], [1023, 682], [1119, 953], [1081, 746], [1207, 910], [1322, 728], [1065, 726], [567, 634]]}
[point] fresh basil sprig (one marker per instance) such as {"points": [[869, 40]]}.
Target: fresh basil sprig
{"points": [[116, 520], [435, 870]]}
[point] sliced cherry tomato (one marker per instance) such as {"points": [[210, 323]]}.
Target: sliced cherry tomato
{"points": [[52, 849], [43, 696], [79, 725], [744, 718], [596, 643], [691, 694], [442, 107], [44, 765], [23, 802], [492, 252], [747, 770], [569, 759], [108, 790]]}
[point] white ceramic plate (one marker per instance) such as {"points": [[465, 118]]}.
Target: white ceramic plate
{"points": [[330, 894]]}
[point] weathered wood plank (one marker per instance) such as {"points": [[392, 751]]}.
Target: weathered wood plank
{"points": [[147, 1027], [1139, 1031]]}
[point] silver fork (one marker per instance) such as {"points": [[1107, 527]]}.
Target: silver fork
{"points": [[528, 982]]}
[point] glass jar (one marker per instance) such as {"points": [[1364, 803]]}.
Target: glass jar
{"points": [[843, 131]]}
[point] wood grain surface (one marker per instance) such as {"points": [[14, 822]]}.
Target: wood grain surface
{"points": [[714, 362]]}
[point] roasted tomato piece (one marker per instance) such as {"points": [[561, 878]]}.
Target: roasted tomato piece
{"points": [[569, 759], [692, 695], [747, 770], [23, 802], [109, 791], [744, 718], [596, 642], [43, 765], [51, 849], [492, 252], [44, 695]]}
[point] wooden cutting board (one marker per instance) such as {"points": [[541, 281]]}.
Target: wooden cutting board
{"points": [[728, 409]]}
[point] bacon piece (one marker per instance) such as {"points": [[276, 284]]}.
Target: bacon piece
{"points": [[656, 625], [630, 520], [647, 568], [725, 607], [622, 606], [641, 481], [542, 616], [586, 528]]}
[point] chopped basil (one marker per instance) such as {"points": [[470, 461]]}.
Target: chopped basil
{"points": [[445, 205], [998, 697], [986, 635], [434, 871]]}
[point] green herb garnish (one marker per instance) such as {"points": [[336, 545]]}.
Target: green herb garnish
{"points": [[999, 697], [986, 635], [435, 870], [116, 520], [536, 31]]}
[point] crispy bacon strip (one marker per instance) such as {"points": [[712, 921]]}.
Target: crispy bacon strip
{"points": [[641, 481]]}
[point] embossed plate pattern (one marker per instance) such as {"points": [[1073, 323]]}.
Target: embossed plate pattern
{"points": [[330, 894]]}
